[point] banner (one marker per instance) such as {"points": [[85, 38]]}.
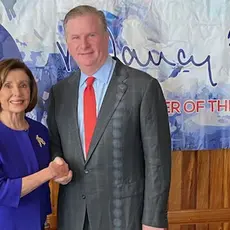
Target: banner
{"points": [[184, 44]]}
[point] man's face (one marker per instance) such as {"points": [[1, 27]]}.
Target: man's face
{"points": [[87, 42]]}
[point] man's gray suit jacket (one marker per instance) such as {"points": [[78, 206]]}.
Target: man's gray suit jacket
{"points": [[125, 180]]}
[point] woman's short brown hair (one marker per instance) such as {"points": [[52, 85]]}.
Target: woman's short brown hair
{"points": [[8, 65]]}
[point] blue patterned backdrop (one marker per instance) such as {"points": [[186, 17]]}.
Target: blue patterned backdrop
{"points": [[184, 44]]}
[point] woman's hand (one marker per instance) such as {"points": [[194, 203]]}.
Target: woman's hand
{"points": [[58, 168]]}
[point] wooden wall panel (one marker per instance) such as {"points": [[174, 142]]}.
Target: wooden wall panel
{"points": [[199, 196], [226, 184], [188, 181], [175, 194], [216, 198], [52, 219], [202, 198]]}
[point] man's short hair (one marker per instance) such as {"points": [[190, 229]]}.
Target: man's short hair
{"points": [[82, 10]]}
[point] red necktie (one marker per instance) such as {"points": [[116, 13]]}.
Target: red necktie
{"points": [[90, 116]]}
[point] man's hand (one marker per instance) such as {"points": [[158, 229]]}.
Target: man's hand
{"points": [[65, 179], [145, 227]]}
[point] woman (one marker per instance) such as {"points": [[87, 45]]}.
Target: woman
{"points": [[25, 166]]}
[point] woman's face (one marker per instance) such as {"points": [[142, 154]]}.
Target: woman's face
{"points": [[15, 92]]}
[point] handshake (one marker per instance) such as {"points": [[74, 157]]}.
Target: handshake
{"points": [[59, 171]]}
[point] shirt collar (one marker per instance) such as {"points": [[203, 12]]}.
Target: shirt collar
{"points": [[102, 74]]}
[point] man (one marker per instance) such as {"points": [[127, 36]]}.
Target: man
{"points": [[109, 123]]}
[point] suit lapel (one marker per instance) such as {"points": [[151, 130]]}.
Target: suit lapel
{"points": [[113, 96], [74, 81]]}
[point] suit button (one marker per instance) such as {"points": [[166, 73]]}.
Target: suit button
{"points": [[83, 196], [86, 171]]}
